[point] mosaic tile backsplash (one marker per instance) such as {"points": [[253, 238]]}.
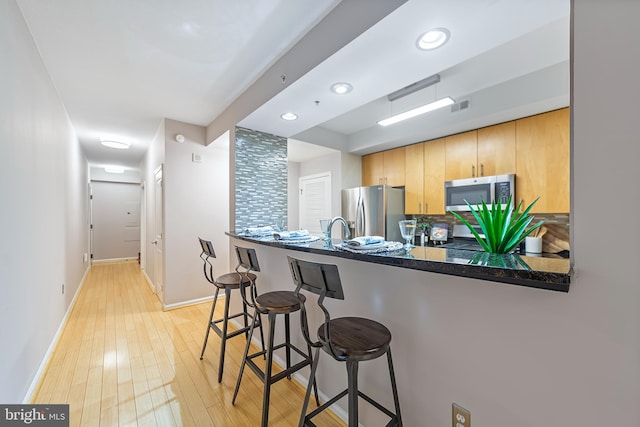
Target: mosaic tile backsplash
{"points": [[261, 179]]}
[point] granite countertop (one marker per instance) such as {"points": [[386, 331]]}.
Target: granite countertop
{"points": [[537, 272]]}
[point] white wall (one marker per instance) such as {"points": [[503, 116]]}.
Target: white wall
{"points": [[153, 159], [196, 205], [516, 356], [44, 213]]}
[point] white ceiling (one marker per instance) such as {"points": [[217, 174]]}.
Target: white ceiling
{"points": [[121, 66], [509, 58]]}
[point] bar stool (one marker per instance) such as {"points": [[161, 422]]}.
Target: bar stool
{"points": [[271, 304], [346, 339], [226, 282]]}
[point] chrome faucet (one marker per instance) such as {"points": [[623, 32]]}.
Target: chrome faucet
{"points": [[344, 224]]}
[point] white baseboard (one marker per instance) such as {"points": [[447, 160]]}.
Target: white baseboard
{"points": [[190, 302], [54, 342], [100, 261], [149, 282]]}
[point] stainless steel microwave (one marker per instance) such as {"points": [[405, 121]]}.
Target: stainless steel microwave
{"points": [[475, 190]]}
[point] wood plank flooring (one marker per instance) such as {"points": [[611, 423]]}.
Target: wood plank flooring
{"points": [[122, 361]]}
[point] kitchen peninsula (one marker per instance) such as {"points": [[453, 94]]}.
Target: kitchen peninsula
{"points": [[536, 272]]}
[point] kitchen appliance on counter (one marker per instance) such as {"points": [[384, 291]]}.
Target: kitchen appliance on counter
{"points": [[464, 239], [374, 211], [475, 190]]}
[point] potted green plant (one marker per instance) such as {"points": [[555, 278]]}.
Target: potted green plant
{"points": [[502, 228]]}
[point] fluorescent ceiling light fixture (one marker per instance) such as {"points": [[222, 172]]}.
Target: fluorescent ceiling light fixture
{"points": [[341, 88], [443, 102], [289, 116], [433, 39], [115, 144], [114, 169]]}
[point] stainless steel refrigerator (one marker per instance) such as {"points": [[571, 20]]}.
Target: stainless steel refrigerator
{"points": [[374, 211]]}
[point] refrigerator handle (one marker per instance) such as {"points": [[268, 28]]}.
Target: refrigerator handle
{"points": [[359, 231]]}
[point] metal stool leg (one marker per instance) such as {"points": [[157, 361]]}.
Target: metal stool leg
{"points": [[267, 371], [244, 358], [287, 340], [394, 388], [352, 387], [206, 336], [225, 324], [261, 335], [307, 395]]}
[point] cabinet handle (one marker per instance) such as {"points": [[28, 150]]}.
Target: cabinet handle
{"points": [[473, 171], [379, 181], [419, 207], [481, 169], [385, 180]]}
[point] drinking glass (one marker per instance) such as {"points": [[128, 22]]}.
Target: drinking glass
{"points": [[324, 226], [408, 231]]}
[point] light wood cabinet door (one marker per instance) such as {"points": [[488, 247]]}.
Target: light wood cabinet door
{"points": [[434, 176], [372, 169], [414, 179], [542, 161], [461, 155], [394, 167], [385, 167], [497, 149]]}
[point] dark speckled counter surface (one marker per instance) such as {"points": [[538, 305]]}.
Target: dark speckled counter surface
{"points": [[549, 273]]}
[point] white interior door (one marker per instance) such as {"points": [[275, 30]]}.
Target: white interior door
{"points": [[315, 201], [158, 261], [115, 220]]}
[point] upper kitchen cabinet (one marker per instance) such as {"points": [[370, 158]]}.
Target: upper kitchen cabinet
{"points": [[424, 185], [542, 164], [434, 171], [497, 149], [386, 167], [483, 152], [414, 179], [461, 155]]}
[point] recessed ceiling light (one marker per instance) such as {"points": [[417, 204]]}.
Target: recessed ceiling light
{"points": [[114, 169], [289, 116], [433, 39], [341, 88], [115, 144]]}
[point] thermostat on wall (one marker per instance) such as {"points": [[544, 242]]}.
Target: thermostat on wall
{"points": [[196, 158]]}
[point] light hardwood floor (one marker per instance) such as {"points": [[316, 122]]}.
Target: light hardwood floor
{"points": [[122, 361]]}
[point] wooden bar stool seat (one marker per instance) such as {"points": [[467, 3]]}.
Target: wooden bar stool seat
{"points": [[226, 282], [271, 304], [357, 338], [346, 339]]}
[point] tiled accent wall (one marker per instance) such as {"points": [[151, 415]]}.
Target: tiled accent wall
{"points": [[261, 179]]}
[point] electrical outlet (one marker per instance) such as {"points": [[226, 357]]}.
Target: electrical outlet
{"points": [[460, 417]]}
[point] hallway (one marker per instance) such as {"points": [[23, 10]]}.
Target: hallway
{"points": [[121, 361]]}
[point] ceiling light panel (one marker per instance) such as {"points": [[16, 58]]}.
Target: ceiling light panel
{"points": [[433, 39], [115, 144], [417, 111], [341, 88]]}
